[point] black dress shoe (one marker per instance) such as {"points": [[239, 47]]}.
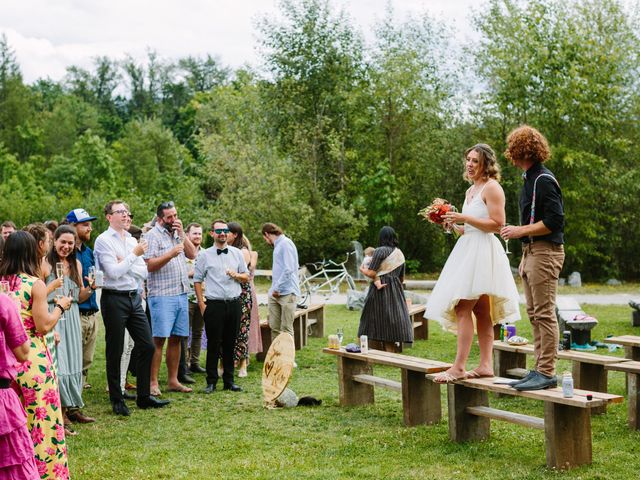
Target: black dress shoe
{"points": [[195, 368], [186, 379], [538, 382], [233, 387], [211, 387], [120, 408], [526, 378], [151, 402], [129, 396]]}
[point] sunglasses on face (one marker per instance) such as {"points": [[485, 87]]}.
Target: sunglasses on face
{"points": [[122, 212], [218, 231]]}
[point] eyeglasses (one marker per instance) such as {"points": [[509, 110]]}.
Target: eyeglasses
{"points": [[220, 230], [165, 205], [122, 212]]}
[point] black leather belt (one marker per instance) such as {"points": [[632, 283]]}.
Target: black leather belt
{"points": [[123, 293], [88, 312], [222, 300], [5, 382]]}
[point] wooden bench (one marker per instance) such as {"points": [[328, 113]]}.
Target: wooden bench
{"points": [[420, 324], [588, 370], [420, 396], [632, 369], [631, 345], [306, 322], [566, 422]]}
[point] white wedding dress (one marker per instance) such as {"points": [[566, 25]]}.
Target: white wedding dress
{"points": [[476, 266]]}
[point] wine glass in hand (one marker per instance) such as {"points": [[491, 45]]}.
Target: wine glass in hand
{"points": [[506, 241], [448, 225], [59, 270]]}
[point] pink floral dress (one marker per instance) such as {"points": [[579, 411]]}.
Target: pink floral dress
{"points": [[38, 385]]}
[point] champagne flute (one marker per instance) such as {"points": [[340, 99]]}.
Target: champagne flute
{"points": [[91, 274], [506, 241], [5, 287], [59, 270], [448, 227]]}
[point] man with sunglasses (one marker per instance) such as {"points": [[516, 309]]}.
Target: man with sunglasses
{"points": [[118, 255], [167, 289], [222, 268]]}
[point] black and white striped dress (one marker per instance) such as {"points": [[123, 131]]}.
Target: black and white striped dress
{"points": [[385, 316]]}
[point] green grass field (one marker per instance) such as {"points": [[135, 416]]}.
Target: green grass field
{"points": [[230, 435]]}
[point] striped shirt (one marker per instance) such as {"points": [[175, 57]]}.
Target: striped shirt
{"points": [[172, 279]]}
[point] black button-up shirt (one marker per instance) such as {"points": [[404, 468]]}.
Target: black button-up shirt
{"points": [[549, 207]]}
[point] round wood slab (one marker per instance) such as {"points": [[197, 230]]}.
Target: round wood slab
{"points": [[278, 365]]}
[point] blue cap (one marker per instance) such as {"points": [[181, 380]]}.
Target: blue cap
{"points": [[79, 215]]}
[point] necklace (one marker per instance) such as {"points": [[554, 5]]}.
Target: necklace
{"points": [[475, 189]]}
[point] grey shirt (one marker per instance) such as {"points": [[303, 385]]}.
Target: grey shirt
{"points": [[211, 267]]}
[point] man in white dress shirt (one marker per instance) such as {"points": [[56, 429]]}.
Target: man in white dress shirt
{"points": [[119, 256], [222, 268]]}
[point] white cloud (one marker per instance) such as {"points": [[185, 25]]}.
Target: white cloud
{"points": [[50, 35]]}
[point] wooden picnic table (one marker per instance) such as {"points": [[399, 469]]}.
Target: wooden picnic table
{"points": [[631, 344]]}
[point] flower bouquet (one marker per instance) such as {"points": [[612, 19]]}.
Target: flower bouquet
{"points": [[436, 210]]}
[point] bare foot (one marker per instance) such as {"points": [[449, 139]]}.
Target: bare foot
{"points": [[178, 387]]}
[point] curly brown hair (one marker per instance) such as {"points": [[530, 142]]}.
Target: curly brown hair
{"points": [[525, 143], [488, 162]]}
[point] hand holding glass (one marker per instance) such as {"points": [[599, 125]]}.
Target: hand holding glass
{"points": [[506, 241], [59, 270]]}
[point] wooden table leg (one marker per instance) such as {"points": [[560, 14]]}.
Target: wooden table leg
{"points": [[568, 435], [462, 425], [354, 393], [319, 326], [633, 400], [420, 399], [265, 333], [298, 331], [503, 361], [421, 332], [587, 376]]}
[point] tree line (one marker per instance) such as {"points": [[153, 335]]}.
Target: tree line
{"points": [[332, 136]]}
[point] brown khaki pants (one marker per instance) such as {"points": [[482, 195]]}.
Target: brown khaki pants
{"points": [[281, 313], [89, 325], [540, 268]]}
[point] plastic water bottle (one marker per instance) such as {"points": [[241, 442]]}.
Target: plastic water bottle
{"points": [[364, 344], [567, 385]]}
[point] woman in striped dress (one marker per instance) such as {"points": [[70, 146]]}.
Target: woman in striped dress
{"points": [[385, 317]]}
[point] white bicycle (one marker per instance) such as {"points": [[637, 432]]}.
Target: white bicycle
{"points": [[326, 280]]}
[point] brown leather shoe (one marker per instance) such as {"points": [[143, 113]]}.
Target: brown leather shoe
{"points": [[79, 417]]}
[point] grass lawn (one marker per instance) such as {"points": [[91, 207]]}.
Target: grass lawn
{"points": [[230, 435]]}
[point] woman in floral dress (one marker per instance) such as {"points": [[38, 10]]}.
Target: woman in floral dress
{"points": [[36, 378], [241, 352]]}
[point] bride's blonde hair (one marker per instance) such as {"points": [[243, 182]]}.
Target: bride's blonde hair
{"points": [[488, 162]]}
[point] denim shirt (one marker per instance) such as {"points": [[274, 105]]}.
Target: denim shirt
{"points": [[85, 255], [285, 267]]}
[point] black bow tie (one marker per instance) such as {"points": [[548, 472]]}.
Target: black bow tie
{"points": [[222, 250]]}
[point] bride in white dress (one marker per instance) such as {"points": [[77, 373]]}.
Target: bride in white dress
{"points": [[476, 280]]}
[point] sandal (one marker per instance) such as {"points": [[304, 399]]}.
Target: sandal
{"points": [[155, 392], [446, 377], [69, 432], [180, 389], [473, 374]]}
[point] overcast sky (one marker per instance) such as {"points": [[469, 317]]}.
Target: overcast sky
{"points": [[50, 35]]}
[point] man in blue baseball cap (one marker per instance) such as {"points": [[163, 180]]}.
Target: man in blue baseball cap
{"points": [[82, 221]]}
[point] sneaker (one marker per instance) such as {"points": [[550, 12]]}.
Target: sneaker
{"points": [[538, 382]]}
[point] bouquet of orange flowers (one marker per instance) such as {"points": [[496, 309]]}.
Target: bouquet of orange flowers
{"points": [[434, 212]]}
